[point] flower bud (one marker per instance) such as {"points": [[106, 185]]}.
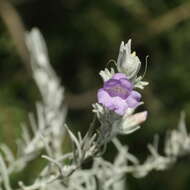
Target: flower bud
{"points": [[128, 62]]}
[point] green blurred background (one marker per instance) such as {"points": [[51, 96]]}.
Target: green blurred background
{"points": [[82, 36]]}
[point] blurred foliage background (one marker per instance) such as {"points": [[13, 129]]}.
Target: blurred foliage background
{"points": [[82, 36]]}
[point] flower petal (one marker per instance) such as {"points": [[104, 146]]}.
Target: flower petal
{"points": [[103, 97], [118, 76], [119, 105], [116, 104], [126, 84], [132, 102], [111, 83], [136, 95]]}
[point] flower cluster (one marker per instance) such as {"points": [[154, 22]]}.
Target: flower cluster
{"points": [[118, 92], [118, 98]]}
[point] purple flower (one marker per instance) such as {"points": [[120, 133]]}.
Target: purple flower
{"points": [[118, 95]]}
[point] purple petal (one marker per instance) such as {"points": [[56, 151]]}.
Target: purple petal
{"points": [[111, 83], [136, 95], [126, 84], [103, 97], [132, 102], [115, 104], [118, 76], [118, 105]]}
